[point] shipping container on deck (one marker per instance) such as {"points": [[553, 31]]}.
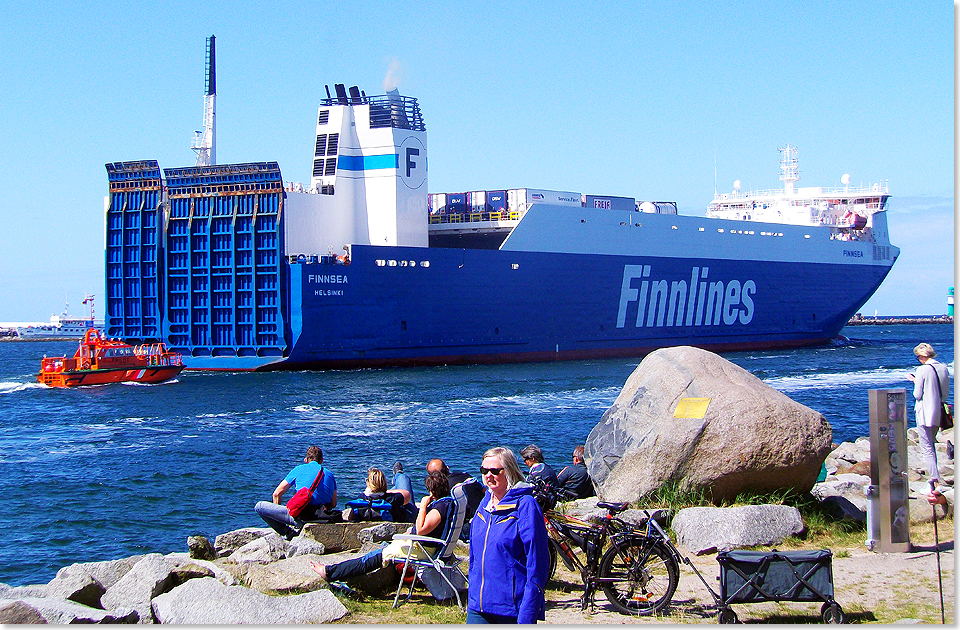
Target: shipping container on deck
{"points": [[133, 251], [497, 203]]}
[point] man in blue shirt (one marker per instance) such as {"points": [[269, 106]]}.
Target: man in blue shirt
{"points": [[324, 495]]}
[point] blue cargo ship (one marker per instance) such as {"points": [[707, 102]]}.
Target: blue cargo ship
{"points": [[238, 270]]}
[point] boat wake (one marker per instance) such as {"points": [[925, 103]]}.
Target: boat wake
{"points": [[10, 387], [876, 379]]}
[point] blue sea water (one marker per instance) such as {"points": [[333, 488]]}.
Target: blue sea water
{"points": [[106, 472]]}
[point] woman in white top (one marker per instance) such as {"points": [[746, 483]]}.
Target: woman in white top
{"points": [[930, 389]]}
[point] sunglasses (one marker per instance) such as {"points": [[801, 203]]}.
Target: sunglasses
{"points": [[492, 471]]}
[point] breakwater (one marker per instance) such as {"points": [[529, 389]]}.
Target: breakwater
{"points": [[886, 320]]}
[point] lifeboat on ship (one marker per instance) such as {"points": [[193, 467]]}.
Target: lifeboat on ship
{"points": [[99, 361]]}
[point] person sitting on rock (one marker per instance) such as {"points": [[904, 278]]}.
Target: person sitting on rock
{"points": [[434, 512], [401, 510], [575, 478], [303, 476], [533, 458]]}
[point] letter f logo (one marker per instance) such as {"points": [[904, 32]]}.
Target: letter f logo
{"points": [[411, 163]]}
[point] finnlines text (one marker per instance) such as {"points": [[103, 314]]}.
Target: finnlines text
{"points": [[702, 302]]}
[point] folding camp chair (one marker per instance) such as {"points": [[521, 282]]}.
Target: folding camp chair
{"points": [[435, 563]]}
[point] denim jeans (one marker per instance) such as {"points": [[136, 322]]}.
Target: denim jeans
{"points": [[401, 481], [277, 517], [478, 617], [355, 566]]}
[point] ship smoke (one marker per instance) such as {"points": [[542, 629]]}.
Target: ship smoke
{"points": [[392, 80]]}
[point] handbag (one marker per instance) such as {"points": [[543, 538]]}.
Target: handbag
{"points": [[946, 415], [301, 499]]}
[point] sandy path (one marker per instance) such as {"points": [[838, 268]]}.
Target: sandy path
{"points": [[870, 587]]}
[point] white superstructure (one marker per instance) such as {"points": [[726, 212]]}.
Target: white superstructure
{"points": [[848, 210]]}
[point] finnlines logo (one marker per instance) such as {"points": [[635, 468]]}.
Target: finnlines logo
{"points": [[702, 302]]}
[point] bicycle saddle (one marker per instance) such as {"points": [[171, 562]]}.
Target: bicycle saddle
{"points": [[614, 508]]}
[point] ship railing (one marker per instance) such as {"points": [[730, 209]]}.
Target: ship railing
{"points": [[468, 216], [872, 189]]}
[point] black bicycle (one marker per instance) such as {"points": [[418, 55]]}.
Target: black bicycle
{"points": [[636, 566]]}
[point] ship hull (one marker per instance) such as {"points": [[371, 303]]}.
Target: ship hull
{"points": [[474, 306], [82, 378], [408, 306]]}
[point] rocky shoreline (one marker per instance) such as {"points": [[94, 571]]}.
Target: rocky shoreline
{"points": [[252, 575]]}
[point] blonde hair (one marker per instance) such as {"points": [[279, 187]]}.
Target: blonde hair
{"points": [[376, 480], [925, 350], [509, 462]]}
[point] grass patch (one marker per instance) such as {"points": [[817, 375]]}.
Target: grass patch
{"points": [[421, 609], [821, 529]]}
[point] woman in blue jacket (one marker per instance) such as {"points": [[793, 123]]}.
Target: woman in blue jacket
{"points": [[509, 559]]}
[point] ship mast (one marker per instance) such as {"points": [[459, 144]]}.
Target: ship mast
{"points": [[789, 168], [205, 142]]}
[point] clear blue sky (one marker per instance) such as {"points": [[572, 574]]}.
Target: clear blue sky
{"points": [[640, 99]]}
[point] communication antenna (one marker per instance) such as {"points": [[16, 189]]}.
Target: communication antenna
{"points": [[789, 168], [845, 180], [205, 142]]}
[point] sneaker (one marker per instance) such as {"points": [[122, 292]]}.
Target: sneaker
{"points": [[397, 468], [342, 588]]}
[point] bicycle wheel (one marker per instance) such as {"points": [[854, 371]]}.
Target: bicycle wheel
{"points": [[639, 576], [553, 559]]}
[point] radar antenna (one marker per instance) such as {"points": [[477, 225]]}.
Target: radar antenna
{"points": [[205, 142], [789, 168]]}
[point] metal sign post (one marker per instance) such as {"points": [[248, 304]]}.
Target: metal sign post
{"points": [[890, 489]]}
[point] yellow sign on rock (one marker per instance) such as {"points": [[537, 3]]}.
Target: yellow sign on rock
{"points": [[691, 408]]}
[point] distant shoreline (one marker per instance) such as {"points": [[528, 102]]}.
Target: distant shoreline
{"points": [[860, 320]]}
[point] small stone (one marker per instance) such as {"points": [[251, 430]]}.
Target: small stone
{"points": [[201, 548]]}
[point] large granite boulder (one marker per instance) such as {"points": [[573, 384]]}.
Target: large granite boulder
{"points": [[77, 586], [748, 438], [226, 544], [285, 577], [708, 529], [151, 576], [106, 573], [337, 537], [207, 601], [263, 550], [35, 610]]}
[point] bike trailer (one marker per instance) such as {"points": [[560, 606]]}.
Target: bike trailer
{"points": [[791, 576]]}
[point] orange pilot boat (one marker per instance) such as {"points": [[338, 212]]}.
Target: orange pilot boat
{"points": [[99, 361]]}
